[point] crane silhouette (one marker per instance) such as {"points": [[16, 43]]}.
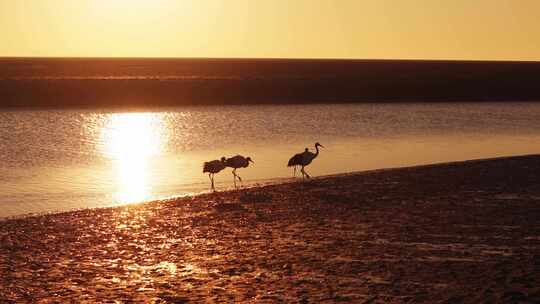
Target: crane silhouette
{"points": [[296, 161], [305, 158], [236, 162], [213, 167]]}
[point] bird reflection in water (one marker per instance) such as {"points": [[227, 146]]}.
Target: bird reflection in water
{"points": [[131, 140]]}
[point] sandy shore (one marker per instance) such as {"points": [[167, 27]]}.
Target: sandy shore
{"points": [[465, 232]]}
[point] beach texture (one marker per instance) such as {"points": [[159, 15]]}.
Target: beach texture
{"points": [[466, 232]]}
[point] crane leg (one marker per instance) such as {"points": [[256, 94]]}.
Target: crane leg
{"points": [[305, 173], [294, 172], [234, 177], [211, 181]]}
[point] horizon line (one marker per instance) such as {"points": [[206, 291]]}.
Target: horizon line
{"points": [[273, 59]]}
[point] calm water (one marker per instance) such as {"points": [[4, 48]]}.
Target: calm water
{"points": [[61, 160]]}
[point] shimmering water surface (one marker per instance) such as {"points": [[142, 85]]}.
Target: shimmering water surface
{"points": [[52, 160]]}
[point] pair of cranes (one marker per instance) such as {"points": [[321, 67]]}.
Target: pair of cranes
{"points": [[235, 162], [215, 166]]}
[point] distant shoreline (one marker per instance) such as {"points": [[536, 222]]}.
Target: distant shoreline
{"points": [[106, 82], [462, 231]]}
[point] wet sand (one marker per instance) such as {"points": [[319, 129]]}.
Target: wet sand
{"points": [[464, 232]]}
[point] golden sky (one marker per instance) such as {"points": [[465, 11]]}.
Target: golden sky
{"points": [[393, 29]]}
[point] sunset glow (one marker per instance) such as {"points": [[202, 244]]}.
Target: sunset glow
{"points": [[422, 29], [131, 140]]}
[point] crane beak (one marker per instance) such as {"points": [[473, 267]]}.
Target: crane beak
{"points": [[251, 160], [321, 146]]}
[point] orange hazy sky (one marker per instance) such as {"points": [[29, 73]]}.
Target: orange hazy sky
{"points": [[398, 29]]}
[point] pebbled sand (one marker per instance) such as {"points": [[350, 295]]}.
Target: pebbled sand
{"points": [[465, 232]]}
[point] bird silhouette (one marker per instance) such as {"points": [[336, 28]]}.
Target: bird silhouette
{"points": [[213, 167], [304, 159], [296, 161], [236, 162]]}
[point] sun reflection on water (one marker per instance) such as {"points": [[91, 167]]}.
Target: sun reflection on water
{"points": [[131, 140]]}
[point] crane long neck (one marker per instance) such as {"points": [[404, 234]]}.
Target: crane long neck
{"points": [[317, 151]]}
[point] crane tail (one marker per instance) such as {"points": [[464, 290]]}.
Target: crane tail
{"points": [[294, 161], [291, 162]]}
